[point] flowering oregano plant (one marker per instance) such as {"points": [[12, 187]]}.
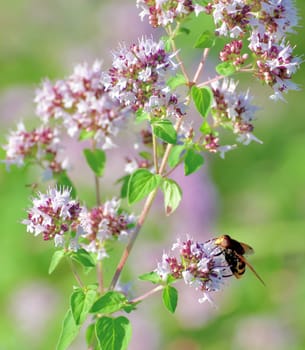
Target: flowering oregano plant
{"points": [[149, 85]]}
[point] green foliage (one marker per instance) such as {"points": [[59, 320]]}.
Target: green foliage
{"points": [[203, 98], [175, 155], [69, 332], [141, 116], [56, 259], [96, 159], [193, 161], [81, 302], [141, 183], [151, 277], [108, 303], [172, 195], [225, 69], [176, 80], [83, 257], [164, 130], [205, 40], [170, 298], [113, 333]]}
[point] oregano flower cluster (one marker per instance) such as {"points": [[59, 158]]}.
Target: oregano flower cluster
{"points": [[148, 90]]}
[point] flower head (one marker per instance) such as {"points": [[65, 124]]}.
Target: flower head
{"points": [[53, 214], [164, 12], [41, 145], [103, 223], [81, 103], [201, 265], [136, 78], [234, 110]]}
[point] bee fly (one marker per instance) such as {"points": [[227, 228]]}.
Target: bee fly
{"points": [[234, 252]]}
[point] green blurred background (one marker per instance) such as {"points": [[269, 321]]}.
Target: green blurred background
{"points": [[260, 195]]}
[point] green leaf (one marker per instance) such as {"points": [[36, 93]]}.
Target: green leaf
{"points": [[225, 68], [145, 155], [183, 30], [109, 303], [176, 81], [205, 40], [167, 43], [56, 259], [68, 333], [124, 189], [202, 98], [90, 334], [80, 303], [63, 180], [170, 298], [96, 160], [205, 128], [164, 129], [192, 162], [83, 257], [172, 195], [141, 116], [151, 277], [174, 156], [141, 183], [86, 135], [113, 333]]}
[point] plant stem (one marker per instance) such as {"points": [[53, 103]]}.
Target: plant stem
{"points": [[76, 275], [218, 77], [171, 34], [146, 295], [156, 164], [201, 65], [99, 269], [133, 237]]}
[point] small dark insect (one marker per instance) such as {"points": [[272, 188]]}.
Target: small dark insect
{"points": [[234, 252]]}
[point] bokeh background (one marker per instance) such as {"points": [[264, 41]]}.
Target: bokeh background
{"points": [[257, 194]]}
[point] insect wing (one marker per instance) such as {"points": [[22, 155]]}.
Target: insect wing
{"points": [[251, 268]]}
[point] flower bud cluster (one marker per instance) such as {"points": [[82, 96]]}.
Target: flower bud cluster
{"points": [[136, 78], [81, 104], [264, 23], [41, 145], [201, 265], [55, 214], [103, 223], [164, 12], [233, 110]]}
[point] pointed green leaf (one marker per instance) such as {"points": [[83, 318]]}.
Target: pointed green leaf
{"points": [[202, 98], [96, 160], [80, 303], [141, 183], [205, 128], [175, 155], [56, 259], [176, 81], [113, 333], [151, 277], [164, 129], [167, 43], [205, 40], [141, 116], [110, 302], [83, 257], [68, 333], [86, 135], [192, 162], [172, 195], [225, 68], [170, 298], [90, 334]]}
